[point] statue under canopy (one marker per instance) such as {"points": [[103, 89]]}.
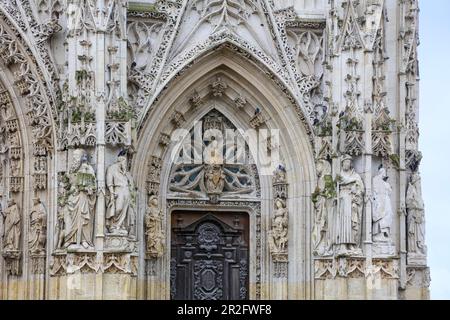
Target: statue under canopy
{"points": [[120, 211], [347, 225], [80, 207], [37, 237], [416, 216], [11, 227], [382, 214]]}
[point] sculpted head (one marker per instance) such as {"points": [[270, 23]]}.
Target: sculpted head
{"points": [[415, 178], [153, 201], [77, 158], [383, 173], [347, 163], [279, 204], [122, 160], [11, 202], [323, 168]]}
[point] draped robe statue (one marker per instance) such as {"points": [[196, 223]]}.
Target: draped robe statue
{"points": [[415, 216], [382, 215], [323, 199], [80, 206], [120, 212], [153, 229], [11, 225], [347, 234], [278, 236], [37, 237]]}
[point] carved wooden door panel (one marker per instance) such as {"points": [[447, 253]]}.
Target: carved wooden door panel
{"points": [[209, 256]]}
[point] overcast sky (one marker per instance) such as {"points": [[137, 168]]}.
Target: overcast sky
{"points": [[434, 58]]}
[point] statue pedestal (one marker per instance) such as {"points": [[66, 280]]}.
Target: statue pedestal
{"points": [[383, 249], [120, 243], [417, 259], [12, 262]]}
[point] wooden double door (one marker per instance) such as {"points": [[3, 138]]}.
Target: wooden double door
{"points": [[209, 256]]}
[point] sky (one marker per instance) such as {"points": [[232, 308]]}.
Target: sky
{"points": [[434, 55]]}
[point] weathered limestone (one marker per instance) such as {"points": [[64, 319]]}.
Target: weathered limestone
{"points": [[115, 115]]}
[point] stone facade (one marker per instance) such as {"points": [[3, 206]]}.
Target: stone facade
{"points": [[94, 93]]}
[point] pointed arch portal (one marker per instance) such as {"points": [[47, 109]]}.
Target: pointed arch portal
{"points": [[223, 90]]}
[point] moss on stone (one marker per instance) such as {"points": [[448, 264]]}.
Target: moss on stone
{"points": [[142, 7]]}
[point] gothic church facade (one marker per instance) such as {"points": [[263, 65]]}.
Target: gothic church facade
{"points": [[210, 150]]}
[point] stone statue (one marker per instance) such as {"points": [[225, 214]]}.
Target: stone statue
{"points": [[278, 236], [280, 174], [153, 229], [214, 179], [347, 225], [80, 207], [120, 212], [415, 216], [60, 230], [62, 202], [37, 237], [323, 199], [214, 154], [382, 214], [11, 227]]}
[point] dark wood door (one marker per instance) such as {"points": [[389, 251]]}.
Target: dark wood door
{"points": [[209, 256]]}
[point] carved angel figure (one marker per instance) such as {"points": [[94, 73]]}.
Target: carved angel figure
{"points": [[278, 236], [153, 229]]}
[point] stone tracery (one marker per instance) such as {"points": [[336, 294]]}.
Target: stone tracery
{"points": [[103, 102]]}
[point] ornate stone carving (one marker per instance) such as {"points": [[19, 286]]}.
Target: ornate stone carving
{"points": [[118, 133], [153, 176], [278, 235], [347, 235], [218, 87], [343, 267], [40, 173], [12, 227], [119, 263], [177, 119], [216, 176], [324, 199], [257, 120], [12, 238], [14, 53], [382, 214], [214, 179], [240, 102], [120, 215], [154, 229], [80, 203], [37, 235], [418, 277], [387, 269], [417, 249]]}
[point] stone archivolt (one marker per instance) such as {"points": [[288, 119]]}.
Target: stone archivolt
{"points": [[92, 93]]}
